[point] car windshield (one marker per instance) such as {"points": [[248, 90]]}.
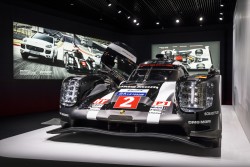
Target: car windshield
{"points": [[43, 37], [140, 75], [68, 39]]}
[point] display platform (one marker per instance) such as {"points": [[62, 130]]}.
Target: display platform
{"points": [[103, 149]]}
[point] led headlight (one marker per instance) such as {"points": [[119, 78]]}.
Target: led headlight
{"points": [[69, 92], [195, 96]]}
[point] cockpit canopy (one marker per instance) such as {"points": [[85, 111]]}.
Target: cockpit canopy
{"points": [[120, 57]]}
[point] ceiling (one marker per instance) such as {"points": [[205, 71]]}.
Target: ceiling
{"points": [[146, 12]]}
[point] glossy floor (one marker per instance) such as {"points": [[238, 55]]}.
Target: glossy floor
{"points": [[104, 149]]}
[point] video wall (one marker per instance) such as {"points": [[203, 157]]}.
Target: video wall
{"points": [[43, 53], [196, 56]]}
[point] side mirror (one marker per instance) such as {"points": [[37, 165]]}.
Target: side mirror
{"points": [[159, 56]]}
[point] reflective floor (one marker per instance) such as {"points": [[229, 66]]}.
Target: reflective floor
{"points": [[103, 149]]}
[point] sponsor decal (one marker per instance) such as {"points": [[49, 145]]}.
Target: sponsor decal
{"points": [[129, 102], [211, 113], [155, 112], [132, 92], [139, 87], [100, 101], [156, 108], [162, 103], [97, 105], [200, 122]]}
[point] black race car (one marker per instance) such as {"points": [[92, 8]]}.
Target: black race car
{"points": [[159, 99], [74, 62]]}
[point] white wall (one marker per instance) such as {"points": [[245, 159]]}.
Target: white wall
{"points": [[241, 63]]}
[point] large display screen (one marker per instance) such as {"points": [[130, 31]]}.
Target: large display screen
{"points": [[43, 53], [196, 56]]}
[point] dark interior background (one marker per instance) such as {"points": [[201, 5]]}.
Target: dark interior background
{"points": [[29, 96]]}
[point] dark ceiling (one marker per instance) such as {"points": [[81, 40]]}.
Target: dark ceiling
{"points": [[146, 12]]}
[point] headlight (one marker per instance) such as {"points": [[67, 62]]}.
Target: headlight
{"points": [[48, 46], [69, 92], [71, 60], [195, 96]]}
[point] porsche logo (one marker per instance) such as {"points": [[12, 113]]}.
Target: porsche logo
{"points": [[122, 112]]}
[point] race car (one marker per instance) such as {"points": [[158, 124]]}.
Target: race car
{"points": [[75, 62], [159, 99]]}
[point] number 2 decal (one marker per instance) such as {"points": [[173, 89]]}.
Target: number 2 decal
{"points": [[127, 103], [130, 102]]}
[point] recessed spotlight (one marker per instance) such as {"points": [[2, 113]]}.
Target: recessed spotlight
{"points": [[177, 21], [134, 20], [221, 18], [137, 24], [119, 11], [221, 5], [109, 3], [71, 4], [157, 23], [221, 13], [128, 17], [201, 19]]}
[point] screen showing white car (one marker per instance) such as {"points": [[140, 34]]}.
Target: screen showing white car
{"points": [[44, 53]]}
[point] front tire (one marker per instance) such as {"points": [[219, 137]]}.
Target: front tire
{"points": [[24, 56], [54, 59]]}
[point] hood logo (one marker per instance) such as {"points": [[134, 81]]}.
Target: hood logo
{"points": [[122, 111]]}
